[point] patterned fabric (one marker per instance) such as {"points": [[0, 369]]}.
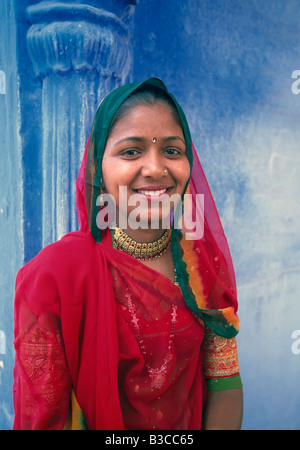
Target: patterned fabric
{"points": [[220, 356], [209, 293], [45, 380]]}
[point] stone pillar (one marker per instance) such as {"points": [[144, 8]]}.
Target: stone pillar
{"points": [[80, 53]]}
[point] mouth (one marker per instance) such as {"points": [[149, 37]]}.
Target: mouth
{"points": [[153, 191]]}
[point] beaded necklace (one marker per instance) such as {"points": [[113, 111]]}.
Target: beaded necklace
{"points": [[158, 375]]}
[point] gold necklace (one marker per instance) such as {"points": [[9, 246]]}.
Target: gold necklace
{"points": [[142, 250]]}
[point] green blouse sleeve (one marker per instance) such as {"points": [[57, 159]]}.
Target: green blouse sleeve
{"points": [[222, 384]]}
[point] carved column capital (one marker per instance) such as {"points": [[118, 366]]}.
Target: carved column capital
{"points": [[65, 37]]}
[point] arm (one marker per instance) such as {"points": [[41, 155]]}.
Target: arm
{"points": [[42, 383], [224, 410]]}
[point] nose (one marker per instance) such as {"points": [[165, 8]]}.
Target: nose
{"points": [[153, 165]]}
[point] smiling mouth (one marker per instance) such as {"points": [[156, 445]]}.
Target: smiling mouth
{"points": [[152, 192]]}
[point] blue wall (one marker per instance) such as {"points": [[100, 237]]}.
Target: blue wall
{"points": [[230, 65]]}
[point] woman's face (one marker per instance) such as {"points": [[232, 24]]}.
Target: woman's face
{"points": [[146, 155]]}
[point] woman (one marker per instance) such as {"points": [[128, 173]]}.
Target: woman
{"points": [[132, 328]]}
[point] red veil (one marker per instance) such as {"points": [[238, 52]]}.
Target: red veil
{"points": [[76, 306]]}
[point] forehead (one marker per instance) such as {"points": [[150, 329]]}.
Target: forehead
{"points": [[146, 120]]}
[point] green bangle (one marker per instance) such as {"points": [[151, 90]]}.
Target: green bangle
{"points": [[222, 384]]}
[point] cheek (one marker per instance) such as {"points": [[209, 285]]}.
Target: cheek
{"points": [[108, 173], [114, 175], [182, 175]]}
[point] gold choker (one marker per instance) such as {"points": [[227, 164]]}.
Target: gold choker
{"points": [[142, 250]]}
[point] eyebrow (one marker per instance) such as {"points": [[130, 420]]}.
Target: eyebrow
{"points": [[173, 138], [131, 138], [141, 139]]}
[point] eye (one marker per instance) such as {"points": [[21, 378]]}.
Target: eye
{"points": [[130, 153], [173, 152]]}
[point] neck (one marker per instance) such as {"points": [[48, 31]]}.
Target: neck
{"points": [[144, 235]]}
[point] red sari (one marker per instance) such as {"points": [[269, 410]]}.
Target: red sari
{"points": [[89, 345]]}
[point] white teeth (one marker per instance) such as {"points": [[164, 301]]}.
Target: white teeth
{"points": [[161, 191]]}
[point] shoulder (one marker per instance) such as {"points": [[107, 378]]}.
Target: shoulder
{"points": [[73, 247], [74, 253]]}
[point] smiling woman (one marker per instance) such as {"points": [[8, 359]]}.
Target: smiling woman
{"points": [[146, 168], [131, 328]]}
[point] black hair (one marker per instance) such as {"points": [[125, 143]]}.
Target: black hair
{"points": [[149, 95]]}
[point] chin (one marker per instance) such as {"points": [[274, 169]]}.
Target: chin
{"points": [[154, 221]]}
